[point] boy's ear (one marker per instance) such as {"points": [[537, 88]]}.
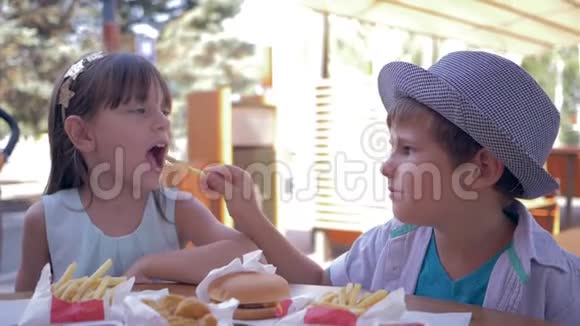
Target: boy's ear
{"points": [[489, 169], [78, 132]]}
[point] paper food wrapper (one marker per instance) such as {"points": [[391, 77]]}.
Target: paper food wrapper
{"points": [[138, 313], [46, 309], [251, 262], [298, 311]]}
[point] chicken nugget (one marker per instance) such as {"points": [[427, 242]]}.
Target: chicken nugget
{"points": [[180, 321], [170, 302], [207, 320], [157, 307], [191, 308]]}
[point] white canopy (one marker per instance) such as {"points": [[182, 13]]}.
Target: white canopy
{"points": [[517, 26]]}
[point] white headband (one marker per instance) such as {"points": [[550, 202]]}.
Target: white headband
{"points": [[65, 93]]}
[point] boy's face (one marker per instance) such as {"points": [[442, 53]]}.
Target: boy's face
{"points": [[420, 173]]}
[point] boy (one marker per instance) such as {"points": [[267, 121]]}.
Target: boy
{"points": [[468, 136]]}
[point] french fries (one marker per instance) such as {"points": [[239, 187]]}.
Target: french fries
{"points": [[86, 287], [350, 298], [179, 310]]}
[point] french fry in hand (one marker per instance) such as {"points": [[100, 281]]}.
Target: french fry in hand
{"points": [[349, 298], [85, 288]]}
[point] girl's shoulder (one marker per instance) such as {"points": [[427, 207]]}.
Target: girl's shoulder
{"points": [[64, 211], [34, 219], [68, 196], [60, 203]]}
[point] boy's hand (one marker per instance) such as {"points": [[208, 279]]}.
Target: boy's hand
{"points": [[238, 190]]}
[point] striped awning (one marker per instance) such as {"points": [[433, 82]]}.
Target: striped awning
{"points": [[518, 26]]}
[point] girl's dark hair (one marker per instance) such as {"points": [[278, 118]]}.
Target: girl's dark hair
{"points": [[104, 82], [458, 144]]}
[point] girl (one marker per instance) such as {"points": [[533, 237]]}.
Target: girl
{"points": [[109, 134]]}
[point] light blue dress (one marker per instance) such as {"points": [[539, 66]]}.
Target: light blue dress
{"points": [[72, 237]]}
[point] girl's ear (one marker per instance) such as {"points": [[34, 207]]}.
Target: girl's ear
{"points": [[78, 132]]}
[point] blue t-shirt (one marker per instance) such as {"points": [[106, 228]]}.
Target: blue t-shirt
{"points": [[434, 282]]}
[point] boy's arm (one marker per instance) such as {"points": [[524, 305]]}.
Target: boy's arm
{"points": [[291, 264], [34, 249], [566, 306], [237, 188], [358, 265]]}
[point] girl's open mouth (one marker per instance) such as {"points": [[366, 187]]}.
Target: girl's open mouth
{"points": [[156, 156]]}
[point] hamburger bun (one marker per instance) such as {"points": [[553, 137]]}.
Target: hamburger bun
{"points": [[255, 313], [259, 294]]}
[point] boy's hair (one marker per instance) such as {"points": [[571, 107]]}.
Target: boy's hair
{"points": [[459, 145], [104, 82]]}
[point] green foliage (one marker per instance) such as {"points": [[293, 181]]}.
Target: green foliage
{"points": [[195, 53], [155, 12], [38, 39], [543, 69], [348, 44]]}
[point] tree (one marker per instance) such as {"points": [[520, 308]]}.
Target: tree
{"points": [[195, 53], [38, 39], [570, 94], [543, 68], [348, 44], [155, 13]]}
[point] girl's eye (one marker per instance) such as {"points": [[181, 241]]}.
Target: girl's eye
{"points": [[407, 149], [166, 113], [139, 110]]}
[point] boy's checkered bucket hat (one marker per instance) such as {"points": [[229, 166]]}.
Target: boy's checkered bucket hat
{"points": [[493, 100]]}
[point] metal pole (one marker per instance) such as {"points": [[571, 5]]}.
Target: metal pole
{"points": [[111, 30], [325, 46]]}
